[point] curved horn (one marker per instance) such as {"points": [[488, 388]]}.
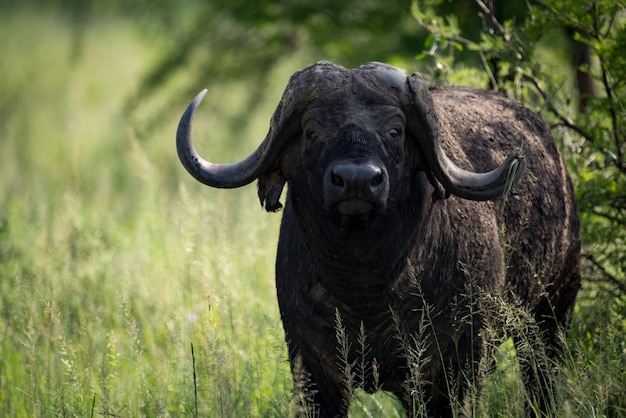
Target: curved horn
{"points": [[215, 175], [465, 184], [303, 87]]}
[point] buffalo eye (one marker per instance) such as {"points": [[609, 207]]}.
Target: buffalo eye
{"points": [[311, 135], [394, 133]]}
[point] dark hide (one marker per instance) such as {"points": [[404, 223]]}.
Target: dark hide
{"points": [[413, 263]]}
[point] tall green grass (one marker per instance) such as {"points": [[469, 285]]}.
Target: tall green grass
{"points": [[114, 262]]}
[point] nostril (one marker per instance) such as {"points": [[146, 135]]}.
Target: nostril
{"points": [[377, 179], [336, 179]]}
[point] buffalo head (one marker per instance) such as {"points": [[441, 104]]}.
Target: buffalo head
{"points": [[346, 133]]}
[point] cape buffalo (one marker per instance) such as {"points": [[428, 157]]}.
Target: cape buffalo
{"points": [[397, 241]]}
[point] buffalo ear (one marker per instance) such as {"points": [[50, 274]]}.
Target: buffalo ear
{"points": [[270, 187]]}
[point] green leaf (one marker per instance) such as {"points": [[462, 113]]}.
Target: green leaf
{"points": [[428, 42]]}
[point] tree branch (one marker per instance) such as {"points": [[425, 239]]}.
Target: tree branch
{"points": [[493, 20], [564, 120], [607, 276]]}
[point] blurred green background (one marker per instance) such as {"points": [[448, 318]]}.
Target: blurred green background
{"points": [[114, 261]]}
